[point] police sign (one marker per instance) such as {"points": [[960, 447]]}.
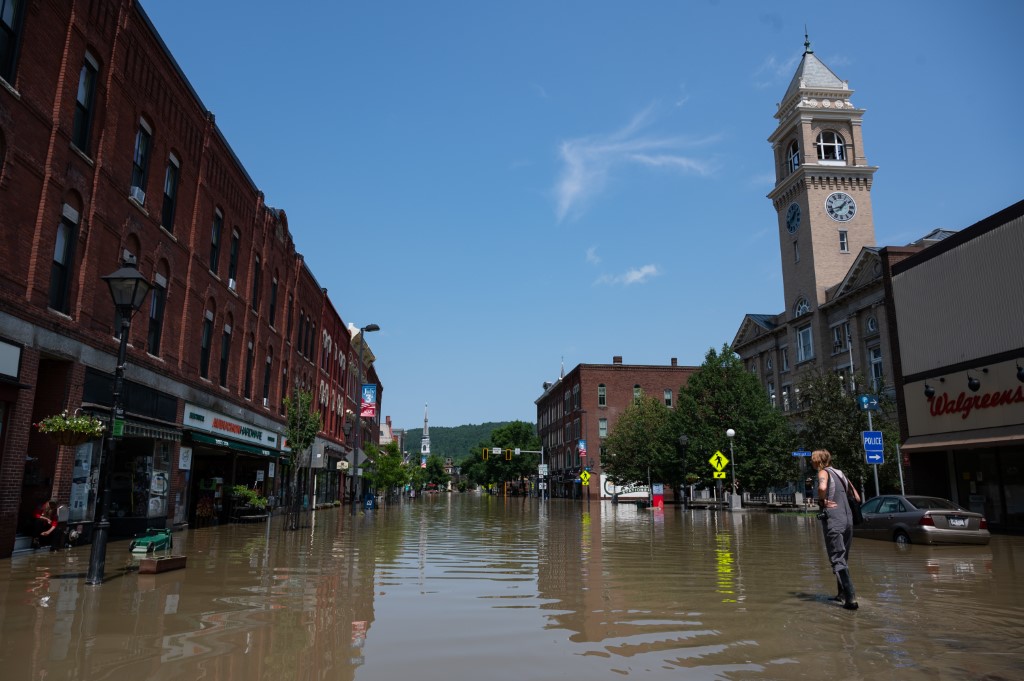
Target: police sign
{"points": [[874, 447]]}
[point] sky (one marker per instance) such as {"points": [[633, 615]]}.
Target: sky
{"points": [[507, 188]]}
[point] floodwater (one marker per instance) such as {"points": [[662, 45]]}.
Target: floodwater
{"points": [[463, 586]]}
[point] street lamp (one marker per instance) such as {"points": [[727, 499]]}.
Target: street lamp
{"points": [[363, 330], [128, 289], [734, 497]]}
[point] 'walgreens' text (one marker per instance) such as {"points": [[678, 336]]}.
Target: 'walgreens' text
{"points": [[964, 404]]}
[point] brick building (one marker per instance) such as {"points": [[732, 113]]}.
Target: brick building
{"points": [[107, 155], [583, 406]]}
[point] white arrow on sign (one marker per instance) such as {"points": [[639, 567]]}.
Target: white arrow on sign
{"points": [[874, 457]]}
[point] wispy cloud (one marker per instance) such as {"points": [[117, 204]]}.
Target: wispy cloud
{"points": [[637, 275], [588, 161], [771, 71], [592, 257]]}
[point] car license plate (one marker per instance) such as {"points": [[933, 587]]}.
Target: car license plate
{"points": [[958, 522]]}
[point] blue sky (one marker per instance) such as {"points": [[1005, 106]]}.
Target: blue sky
{"points": [[501, 185]]}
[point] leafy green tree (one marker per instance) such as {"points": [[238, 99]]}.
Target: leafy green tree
{"points": [[834, 421], [303, 424], [720, 395], [496, 468], [387, 470], [435, 471], [643, 445]]}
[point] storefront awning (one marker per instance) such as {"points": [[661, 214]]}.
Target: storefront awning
{"points": [[140, 429], [977, 439], [231, 444]]}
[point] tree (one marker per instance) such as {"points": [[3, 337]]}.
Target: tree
{"points": [[834, 421], [720, 395], [514, 435], [387, 470], [435, 471], [303, 424], [642, 445]]}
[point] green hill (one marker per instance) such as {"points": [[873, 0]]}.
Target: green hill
{"points": [[456, 442]]}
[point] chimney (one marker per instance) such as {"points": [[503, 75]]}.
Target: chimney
{"points": [[617, 359], [675, 362]]}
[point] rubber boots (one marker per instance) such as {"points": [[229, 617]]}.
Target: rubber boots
{"points": [[840, 596], [848, 591]]}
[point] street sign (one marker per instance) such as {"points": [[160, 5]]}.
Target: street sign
{"points": [[874, 447], [868, 402], [719, 461], [542, 469], [585, 478], [801, 453], [719, 475]]}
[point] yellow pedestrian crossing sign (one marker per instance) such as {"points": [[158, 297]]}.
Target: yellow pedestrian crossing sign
{"points": [[719, 461], [585, 478]]}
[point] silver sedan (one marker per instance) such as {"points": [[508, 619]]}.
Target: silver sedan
{"points": [[921, 520]]}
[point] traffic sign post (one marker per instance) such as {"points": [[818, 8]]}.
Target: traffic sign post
{"points": [[867, 402], [874, 451]]}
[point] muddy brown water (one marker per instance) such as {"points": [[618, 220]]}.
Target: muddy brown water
{"points": [[453, 587]]}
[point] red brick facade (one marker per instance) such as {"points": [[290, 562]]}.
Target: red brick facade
{"points": [[57, 181]]}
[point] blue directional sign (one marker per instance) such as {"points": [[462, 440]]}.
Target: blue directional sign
{"points": [[874, 448], [868, 402], [801, 453]]}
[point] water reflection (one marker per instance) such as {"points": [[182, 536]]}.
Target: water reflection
{"points": [[466, 586]]}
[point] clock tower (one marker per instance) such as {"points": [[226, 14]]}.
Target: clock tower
{"points": [[822, 191]]}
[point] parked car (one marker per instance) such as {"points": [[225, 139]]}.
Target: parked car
{"points": [[921, 520]]}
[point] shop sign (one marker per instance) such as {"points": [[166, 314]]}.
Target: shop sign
{"points": [[206, 420], [10, 359], [954, 408]]}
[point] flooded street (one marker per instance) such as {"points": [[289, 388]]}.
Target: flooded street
{"points": [[475, 587]]}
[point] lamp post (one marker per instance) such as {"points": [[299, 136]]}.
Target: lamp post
{"points": [[684, 441], [128, 288], [733, 497], [357, 445]]}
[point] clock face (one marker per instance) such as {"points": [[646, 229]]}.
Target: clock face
{"points": [[840, 206], [793, 217]]}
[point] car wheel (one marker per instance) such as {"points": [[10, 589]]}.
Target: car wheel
{"points": [[901, 537]]}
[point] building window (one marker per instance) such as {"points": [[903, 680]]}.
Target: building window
{"points": [[256, 285], [637, 392], [267, 369], [785, 398], [250, 359], [284, 389], [844, 241], [233, 259], [768, 364], [288, 319], [602, 427], [170, 193], [576, 396], [784, 354], [311, 350], [796, 250], [225, 355], [272, 313], [204, 347], [140, 160], [158, 300], [300, 344], [804, 344], [877, 371], [63, 259], [840, 336], [10, 34], [771, 392], [831, 147], [82, 125], [602, 395], [668, 397], [793, 157], [215, 233], [872, 324], [801, 308]]}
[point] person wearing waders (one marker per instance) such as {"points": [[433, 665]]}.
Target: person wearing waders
{"points": [[836, 523]]}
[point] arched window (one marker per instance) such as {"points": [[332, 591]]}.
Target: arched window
{"points": [[831, 147], [793, 157], [802, 307], [61, 269]]}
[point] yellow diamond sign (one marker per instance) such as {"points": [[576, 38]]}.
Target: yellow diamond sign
{"points": [[585, 478], [718, 461]]}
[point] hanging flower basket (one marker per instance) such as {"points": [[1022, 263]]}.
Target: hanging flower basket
{"points": [[71, 430]]}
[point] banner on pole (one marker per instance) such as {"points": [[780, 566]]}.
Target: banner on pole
{"points": [[368, 406]]}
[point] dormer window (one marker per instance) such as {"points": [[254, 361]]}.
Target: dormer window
{"points": [[831, 148]]}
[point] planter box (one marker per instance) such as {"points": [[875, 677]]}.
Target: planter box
{"points": [[152, 566]]}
